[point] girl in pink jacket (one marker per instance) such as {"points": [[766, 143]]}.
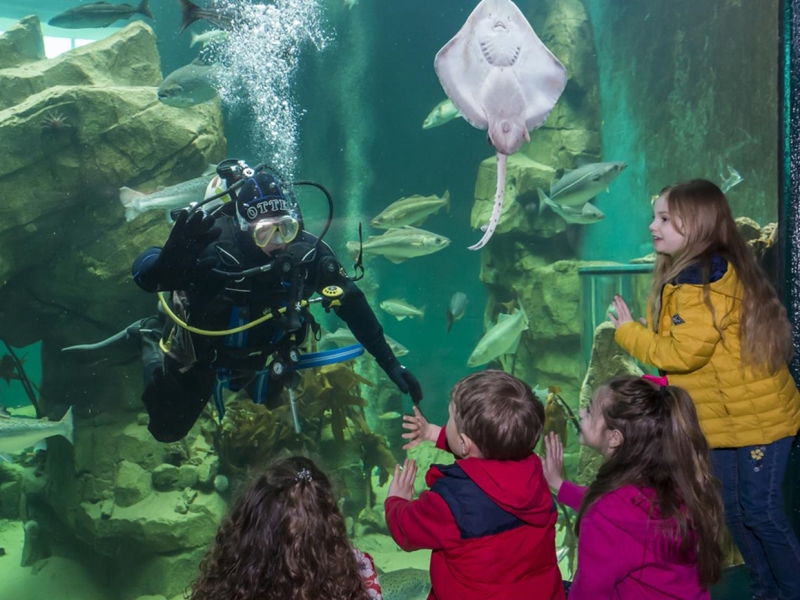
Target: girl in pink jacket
{"points": [[648, 526]]}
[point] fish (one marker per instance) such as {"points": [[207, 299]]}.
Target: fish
{"points": [[98, 14], [555, 418], [442, 113], [410, 211], [502, 79], [458, 304], [166, 199], [731, 180], [18, 433], [400, 309], [220, 14], [400, 244], [390, 416], [208, 37], [405, 584], [578, 186], [585, 215], [502, 338], [344, 337], [189, 85], [349, 3]]}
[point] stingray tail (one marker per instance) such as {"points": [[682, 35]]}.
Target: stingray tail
{"points": [[502, 159]]}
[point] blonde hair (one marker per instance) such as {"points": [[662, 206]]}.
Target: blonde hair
{"points": [[708, 226]]}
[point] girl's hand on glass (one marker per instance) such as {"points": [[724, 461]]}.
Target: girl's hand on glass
{"points": [[553, 463], [402, 485], [419, 429], [623, 312]]}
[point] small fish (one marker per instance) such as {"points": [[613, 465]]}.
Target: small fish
{"points": [[344, 337], [390, 416], [398, 245], [458, 304], [189, 85], [18, 433], [174, 196], [731, 180], [400, 309], [577, 187], [208, 37], [442, 113], [586, 215], [555, 418], [502, 338], [98, 14], [410, 211], [349, 3], [219, 14]]}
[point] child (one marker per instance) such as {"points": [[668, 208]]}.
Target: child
{"points": [[285, 538], [489, 518], [718, 330], [648, 525]]}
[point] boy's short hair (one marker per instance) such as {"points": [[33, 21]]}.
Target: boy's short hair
{"points": [[499, 412]]}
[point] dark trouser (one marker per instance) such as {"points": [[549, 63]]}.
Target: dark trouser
{"points": [[752, 478]]}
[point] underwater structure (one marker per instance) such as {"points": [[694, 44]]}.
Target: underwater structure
{"points": [[654, 94]]}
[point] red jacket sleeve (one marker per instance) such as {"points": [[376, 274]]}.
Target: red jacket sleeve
{"points": [[441, 441], [422, 523]]}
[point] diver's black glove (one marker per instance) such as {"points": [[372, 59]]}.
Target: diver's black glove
{"points": [[179, 261], [405, 381]]}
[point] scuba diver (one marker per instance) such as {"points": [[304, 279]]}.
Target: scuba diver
{"points": [[235, 279]]}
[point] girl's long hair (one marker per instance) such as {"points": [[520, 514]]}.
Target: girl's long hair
{"points": [[707, 222], [284, 538], [663, 449]]}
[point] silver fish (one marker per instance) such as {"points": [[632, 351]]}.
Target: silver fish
{"points": [[398, 245], [17, 433], [344, 337], [410, 211], [189, 85], [731, 180], [98, 14], [577, 187], [502, 338], [442, 113], [174, 196], [400, 309], [390, 416], [458, 304], [585, 215], [208, 37]]}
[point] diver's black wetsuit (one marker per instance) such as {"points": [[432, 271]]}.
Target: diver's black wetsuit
{"points": [[175, 399]]}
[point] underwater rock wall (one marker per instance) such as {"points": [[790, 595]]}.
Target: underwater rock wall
{"points": [[74, 130]]}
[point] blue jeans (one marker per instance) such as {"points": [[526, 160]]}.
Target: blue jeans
{"points": [[751, 479]]}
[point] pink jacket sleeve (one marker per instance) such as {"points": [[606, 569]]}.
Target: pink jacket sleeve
{"points": [[602, 564], [571, 494]]}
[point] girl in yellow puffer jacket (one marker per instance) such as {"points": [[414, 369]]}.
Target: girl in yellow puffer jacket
{"points": [[718, 329]]}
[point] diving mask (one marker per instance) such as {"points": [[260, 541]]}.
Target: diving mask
{"points": [[274, 230]]}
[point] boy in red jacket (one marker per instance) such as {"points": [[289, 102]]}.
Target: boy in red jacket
{"points": [[489, 518]]}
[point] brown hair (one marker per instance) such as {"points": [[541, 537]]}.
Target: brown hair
{"points": [[664, 449], [284, 538], [499, 412], [709, 228]]}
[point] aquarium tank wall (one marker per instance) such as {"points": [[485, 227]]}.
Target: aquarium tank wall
{"points": [[112, 117]]}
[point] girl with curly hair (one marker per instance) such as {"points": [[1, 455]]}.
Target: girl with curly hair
{"points": [[286, 538]]}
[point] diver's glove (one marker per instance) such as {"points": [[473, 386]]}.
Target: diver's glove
{"points": [[179, 262], [405, 381]]}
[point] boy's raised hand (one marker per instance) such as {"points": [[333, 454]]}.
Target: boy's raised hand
{"points": [[419, 429], [553, 463], [403, 483]]}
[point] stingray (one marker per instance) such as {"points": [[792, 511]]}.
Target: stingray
{"points": [[503, 79]]}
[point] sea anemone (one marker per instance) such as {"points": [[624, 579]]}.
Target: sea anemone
{"points": [[55, 122]]}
